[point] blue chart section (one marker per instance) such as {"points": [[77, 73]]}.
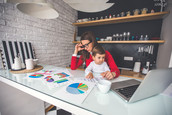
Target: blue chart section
{"points": [[73, 89], [65, 74]]}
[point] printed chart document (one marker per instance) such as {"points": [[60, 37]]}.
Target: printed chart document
{"points": [[52, 77], [75, 91], [94, 80]]}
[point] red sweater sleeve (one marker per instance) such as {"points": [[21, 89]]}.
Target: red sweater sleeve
{"points": [[112, 65], [75, 63]]}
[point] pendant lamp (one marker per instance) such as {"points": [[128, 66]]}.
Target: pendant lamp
{"points": [[36, 8], [89, 6]]}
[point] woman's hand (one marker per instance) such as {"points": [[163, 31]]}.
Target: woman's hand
{"points": [[108, 75], [78, 48], [89, 76]]}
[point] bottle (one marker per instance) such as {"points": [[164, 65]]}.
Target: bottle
{"points": [[146, 37], [124, 36], [128, 36], [141, 37], [113, 37], [146, 68], [117, 37], [110, 16], [147, 64]]}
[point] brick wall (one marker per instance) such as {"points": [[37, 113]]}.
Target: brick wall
{"points": [[51, 39]]}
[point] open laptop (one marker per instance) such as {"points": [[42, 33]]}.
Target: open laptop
{"points": [[154, 83]]}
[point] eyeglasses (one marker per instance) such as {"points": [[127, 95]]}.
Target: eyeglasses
{"points": [[86, 45]]}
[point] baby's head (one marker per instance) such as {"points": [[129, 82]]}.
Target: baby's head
{"points": [[98, 54]]}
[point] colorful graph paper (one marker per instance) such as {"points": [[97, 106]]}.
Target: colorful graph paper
{"points": [[77, 88]]}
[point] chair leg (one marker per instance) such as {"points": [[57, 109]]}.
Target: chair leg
{"points": [[49, 108]]}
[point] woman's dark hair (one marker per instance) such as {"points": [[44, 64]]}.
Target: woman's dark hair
{"points": [[91, 37], [98, 49]]}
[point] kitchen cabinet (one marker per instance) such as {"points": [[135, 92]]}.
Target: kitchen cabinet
{"points": [[132, 18]]}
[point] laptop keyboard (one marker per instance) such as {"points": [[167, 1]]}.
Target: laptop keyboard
{"points": [[128, 91]]}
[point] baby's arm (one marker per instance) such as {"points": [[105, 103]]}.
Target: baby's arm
{"points": [[106, 69], [88, 71], [107, 74]]}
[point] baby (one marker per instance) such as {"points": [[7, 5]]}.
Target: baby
{"points": [[97, 67]]}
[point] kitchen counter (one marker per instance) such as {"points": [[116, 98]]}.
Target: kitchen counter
{"points": [[124, 73]]}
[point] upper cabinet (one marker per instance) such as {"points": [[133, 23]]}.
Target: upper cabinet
{"points": [[133, 18]]}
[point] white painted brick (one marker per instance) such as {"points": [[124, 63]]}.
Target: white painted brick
{"points": [[9, 17], [51, 39], [7, 29], [2, 35], [1, 1], [2, 22]]}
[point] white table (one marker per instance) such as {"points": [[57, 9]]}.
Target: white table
{"points": [[95, 103]]}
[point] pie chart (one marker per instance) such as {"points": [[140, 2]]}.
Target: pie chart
{"points": [[77, 88], [49, 79], [36, 76]]}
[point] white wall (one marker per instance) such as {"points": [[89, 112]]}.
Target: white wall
{"points": [[164, 51], [16, 102], [51, 39]]}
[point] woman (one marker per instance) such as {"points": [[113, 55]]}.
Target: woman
{"points": [[88, 41]]}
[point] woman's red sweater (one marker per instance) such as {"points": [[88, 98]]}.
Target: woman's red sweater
{"points": [[75, 63]]}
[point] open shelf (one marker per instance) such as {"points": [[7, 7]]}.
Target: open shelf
{"points": [[134, 41], [133, 18]]}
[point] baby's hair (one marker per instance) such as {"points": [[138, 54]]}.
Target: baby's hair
{"points": [[98, 49]]}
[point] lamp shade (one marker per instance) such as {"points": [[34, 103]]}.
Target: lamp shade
{"points": [[38, 10], [91, 7], [25, 1], [85, 1]]}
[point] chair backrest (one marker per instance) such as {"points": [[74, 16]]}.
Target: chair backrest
{"points": [[12, 48]]}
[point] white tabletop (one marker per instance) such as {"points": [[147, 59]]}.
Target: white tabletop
{"points": [[95, 103]]}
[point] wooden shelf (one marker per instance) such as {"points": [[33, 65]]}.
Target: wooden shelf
{"points": [[131, 74], [134, 41], [142, 17]]}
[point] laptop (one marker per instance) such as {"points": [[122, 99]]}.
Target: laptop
{"points": [[155, 82]]}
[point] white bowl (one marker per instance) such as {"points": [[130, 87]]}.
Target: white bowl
{"points": [[104, 85]]}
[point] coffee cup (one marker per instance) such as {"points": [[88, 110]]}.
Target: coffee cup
{"points": [[104, 85], [35, 62], [29, 64]]}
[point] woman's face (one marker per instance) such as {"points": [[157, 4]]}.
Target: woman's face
{"points": [[87, 45]]}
